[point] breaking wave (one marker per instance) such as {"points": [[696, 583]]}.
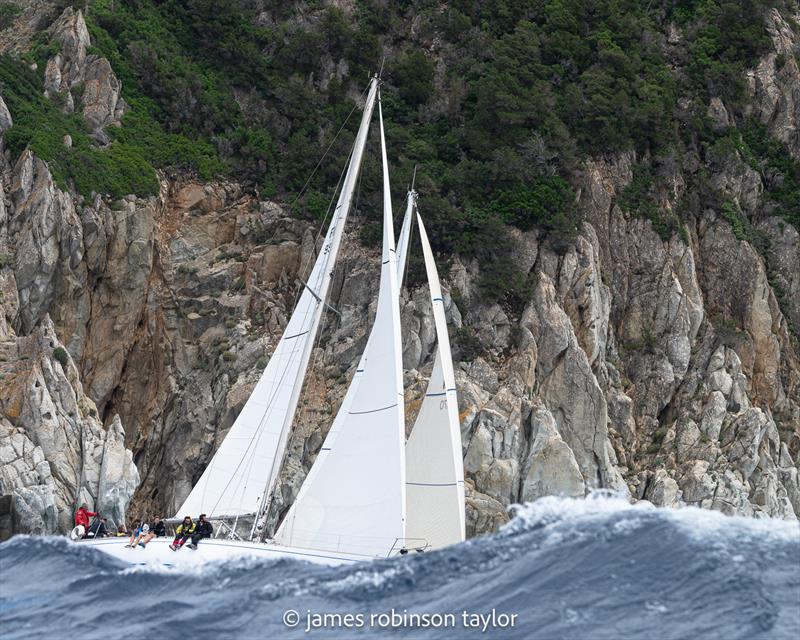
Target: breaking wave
{"points": [[595, 568]]}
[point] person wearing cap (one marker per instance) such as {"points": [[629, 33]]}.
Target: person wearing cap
{"points": [[183, 532], [204, 530]]}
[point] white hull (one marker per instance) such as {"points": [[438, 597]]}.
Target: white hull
{"points": [[158, 553]]}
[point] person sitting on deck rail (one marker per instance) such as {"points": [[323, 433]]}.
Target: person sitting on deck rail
{"points": [[183, 532], [204, 530], [138, 532], [157, 529]]}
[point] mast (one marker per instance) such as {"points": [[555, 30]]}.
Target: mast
{"points": [[242, 475]]}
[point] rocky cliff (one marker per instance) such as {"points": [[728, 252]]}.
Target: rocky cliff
{"points": [[133, 329]]}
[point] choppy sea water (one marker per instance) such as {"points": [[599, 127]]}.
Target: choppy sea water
{"points": [[584, 569]]}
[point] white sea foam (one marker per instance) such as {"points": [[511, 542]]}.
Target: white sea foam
{"points": [[698, 523]]}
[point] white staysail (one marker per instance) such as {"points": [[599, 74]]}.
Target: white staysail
{"points": [[353, 499], [245, 468], [434, 462]]}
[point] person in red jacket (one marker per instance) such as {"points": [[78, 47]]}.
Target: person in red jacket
{"points": [[82, 516]]}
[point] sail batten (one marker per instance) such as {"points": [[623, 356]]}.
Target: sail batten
{"points": [[232, 483]]}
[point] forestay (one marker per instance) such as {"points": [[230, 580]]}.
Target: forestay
{"points": [[246, 465], [434, 464], [353, 499]]}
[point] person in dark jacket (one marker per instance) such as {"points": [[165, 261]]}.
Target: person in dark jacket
{"points": [[183, 532], [204, 530], [157, 530], [97, 529]]}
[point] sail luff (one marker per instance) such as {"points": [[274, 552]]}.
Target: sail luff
{"points": [[244, 469], [390, 255]]}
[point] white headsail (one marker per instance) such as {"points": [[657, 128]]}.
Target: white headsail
{"points": [[434, 462], [245, 468], [353, 499]]}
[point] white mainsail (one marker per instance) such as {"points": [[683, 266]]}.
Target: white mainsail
{"points": [[434, 462], [245, 468], [353, 499]]}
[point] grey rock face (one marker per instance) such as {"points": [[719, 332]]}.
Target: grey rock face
{"points": [[5, 116], [776, 88], [569, 389], [55, 453], [73, 68], [552, 468], [783, 262], [569, 397], [47, 240]]}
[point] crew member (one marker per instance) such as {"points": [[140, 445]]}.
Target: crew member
{"points": [[82, 516], [204, 530], [183, 532]]}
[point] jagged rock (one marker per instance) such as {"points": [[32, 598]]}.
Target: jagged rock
{"points": [[25, 476], [71, 68], [783, 259], [734, 278], [54, 450], [5, 117], [775, 87], [101, 99], [276, 261], [584, 296], [552, 469], [48, 240], [71, 33], [119, 477], [569, 389], [738, 182], [718, 114], [662, 490], [483, 513]]}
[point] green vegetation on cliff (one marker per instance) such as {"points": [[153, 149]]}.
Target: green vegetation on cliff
{"points": [[497, 102]]}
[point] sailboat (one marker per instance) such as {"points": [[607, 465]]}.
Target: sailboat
{"points": [[371, 493]]}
